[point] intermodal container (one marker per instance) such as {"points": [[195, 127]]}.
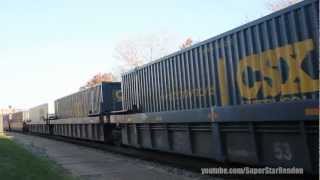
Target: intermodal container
{"points": [[272, 59], [17, 117], [17, 120], [25, 116], [5, 119], [102, 98], [38, 113]]}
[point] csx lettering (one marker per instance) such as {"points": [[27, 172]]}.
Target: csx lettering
{"points": [[270, 81]]}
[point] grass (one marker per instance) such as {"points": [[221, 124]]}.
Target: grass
{"points": [[17, 163]]}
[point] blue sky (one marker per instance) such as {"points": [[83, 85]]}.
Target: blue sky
{"points": [[48, 49]]}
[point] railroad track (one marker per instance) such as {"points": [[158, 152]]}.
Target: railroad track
{"points": [[177, 161]]}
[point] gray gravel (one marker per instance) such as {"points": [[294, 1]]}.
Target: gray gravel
{"points": [[89, 163]]}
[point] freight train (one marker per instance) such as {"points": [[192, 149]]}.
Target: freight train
{"points": [[248, 96]]}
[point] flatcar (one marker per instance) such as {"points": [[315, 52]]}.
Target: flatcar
{"points": [[249, 95], [85, 114], [37, 122]]}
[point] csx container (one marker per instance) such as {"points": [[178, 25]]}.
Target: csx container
{"points": [[272, 59], [102, 98], [249, 95], [38, 113]]}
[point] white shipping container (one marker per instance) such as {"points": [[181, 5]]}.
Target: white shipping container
{"points": [[38, 113], [25, 116]]}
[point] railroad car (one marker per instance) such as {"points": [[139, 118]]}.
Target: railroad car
{"points": [[95, 101], [37, 122], [6, 125], [18, 120], [85, 114], [249, 95]]}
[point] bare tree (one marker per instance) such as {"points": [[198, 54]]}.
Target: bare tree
{"points": [[98, 78], [187, 43], [275, 5], [129, 53], [140, 50], [270, 7]]}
